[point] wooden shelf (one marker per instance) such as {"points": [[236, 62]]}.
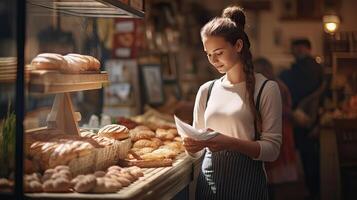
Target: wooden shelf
{"points": [[157, 183], [90, 8], [51, 82]]}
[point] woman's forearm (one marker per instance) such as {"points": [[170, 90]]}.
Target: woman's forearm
{"points": [[249, 148]]}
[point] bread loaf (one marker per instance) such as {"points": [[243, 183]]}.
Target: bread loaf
{"points": [[75, 64], [114, 131], [48, 61]]}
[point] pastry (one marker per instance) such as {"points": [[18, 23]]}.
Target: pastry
{"points": [[136, 171], [33, 186], [74, 181], [136, 135], [99, 173], [122, 180], [142, 127], [142, 151], [56, 185], [114, 167], [86, 184], [114, 131], [145, 143], [106, 185], [159, 154], [163, 134]]}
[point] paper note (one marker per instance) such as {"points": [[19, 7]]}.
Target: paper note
{"points": [[186, 130]]}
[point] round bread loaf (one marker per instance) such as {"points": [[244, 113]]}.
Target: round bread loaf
{"points": [[115, 131]]}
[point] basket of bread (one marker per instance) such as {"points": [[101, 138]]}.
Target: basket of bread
{"points": [[83, 154]]}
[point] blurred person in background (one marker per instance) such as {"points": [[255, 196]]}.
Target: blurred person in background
{"points": [[284, 169], [305, 82]]}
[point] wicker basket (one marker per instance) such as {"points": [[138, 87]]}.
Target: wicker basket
{"points": [[109, 155], [84, 164]]}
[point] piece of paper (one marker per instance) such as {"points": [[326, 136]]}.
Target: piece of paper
{"points": [[186, 130]]}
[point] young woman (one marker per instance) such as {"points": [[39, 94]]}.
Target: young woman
{"points": [[248, 133]]}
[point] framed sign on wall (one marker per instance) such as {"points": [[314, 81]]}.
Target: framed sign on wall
{"points": [[152, 84]]}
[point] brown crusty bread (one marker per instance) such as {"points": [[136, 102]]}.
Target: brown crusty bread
{"points": [[115, 131]]}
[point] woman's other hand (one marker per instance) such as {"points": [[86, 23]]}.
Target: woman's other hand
{"points": [[193, 146], [219, 143]]}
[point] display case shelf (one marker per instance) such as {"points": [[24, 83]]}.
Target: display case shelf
{"points": [[157, 183], [91, 8], [51, 82]]}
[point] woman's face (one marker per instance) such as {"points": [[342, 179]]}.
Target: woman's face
{"points": [[220, 53]]}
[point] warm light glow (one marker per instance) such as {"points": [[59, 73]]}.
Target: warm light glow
{"points": [[331, 23], [331, 27], [318, 59]]}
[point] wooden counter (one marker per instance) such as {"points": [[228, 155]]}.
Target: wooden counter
{"points": [[157, 183]]}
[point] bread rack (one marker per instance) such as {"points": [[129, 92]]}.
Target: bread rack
{"points": [[62, 115]]}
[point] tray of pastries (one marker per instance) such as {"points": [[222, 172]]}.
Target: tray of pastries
{"points": [[153, 148]]}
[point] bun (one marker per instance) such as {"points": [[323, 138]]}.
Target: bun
{"points": [[114, 131], [236, 14]]}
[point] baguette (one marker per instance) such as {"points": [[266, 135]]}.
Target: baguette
{"points": [[146, 163]]}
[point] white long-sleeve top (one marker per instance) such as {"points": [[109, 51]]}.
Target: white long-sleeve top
{"points": [[228, 113]]}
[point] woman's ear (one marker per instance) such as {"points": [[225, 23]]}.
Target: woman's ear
{"points": [[238, 45]]}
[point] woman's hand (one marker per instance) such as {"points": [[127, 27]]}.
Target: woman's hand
{"points": [[193, 146], [219, 143]]}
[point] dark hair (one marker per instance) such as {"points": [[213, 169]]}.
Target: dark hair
{"points": [[302, 41], [230, 26]]}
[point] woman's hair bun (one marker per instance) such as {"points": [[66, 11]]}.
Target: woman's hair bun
{"points": [[236, 14]]}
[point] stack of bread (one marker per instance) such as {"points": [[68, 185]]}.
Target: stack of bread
{"points": [[70, 63], [60, 179]]}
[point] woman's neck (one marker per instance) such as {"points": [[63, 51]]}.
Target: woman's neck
{"points": [[236, 74]]}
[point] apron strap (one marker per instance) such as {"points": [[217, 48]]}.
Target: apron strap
{"points": [[257, 107], [209, 91]]}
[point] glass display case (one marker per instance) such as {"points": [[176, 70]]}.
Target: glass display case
{"points": [[10, 98], [34, 100]]}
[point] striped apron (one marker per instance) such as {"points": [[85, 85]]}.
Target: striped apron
{"points": [[231, 175]]}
